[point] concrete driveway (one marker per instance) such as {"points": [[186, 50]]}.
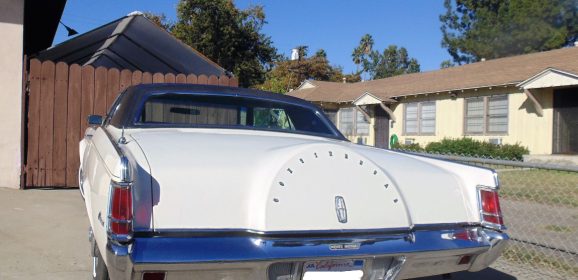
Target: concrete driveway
{"points": [[43, 235]]}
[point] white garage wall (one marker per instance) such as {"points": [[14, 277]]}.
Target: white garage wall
{"points": [[11, 28]]}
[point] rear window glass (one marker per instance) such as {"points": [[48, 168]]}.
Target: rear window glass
{"points": [[192, 110]]}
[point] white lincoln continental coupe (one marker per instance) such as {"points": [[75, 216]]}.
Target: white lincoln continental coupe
{"points": [[207, 182]]}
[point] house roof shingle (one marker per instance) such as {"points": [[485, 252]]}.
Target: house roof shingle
{"points": [[502, 71]]}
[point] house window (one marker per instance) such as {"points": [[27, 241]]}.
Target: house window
{"points": [[346, 121], [420, 118], [486, 115], [332, 116], [427, 117], [498, 114], [475, 115], [411, 117], [361, 124], [352, 122]]}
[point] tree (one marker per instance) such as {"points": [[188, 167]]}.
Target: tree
{"points": [[476, 29], [160, 20], [392, 62], [227, 35], [321, 53], [289, 74], [302, 52], [365, 48], [446, 64]]}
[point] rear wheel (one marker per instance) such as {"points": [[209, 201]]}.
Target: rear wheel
{"points": [[99, 271]]}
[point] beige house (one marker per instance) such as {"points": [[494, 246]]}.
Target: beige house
{"points": [[529, 99], [26, 27]]}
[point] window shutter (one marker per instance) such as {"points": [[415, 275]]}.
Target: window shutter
{"points": [[498, 114], [475, 115], [411, 118], [428, 117], [361, 125], [346, 121]]}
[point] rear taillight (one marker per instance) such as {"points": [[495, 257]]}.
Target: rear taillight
{"points": [[490, 208], [120, 210]]}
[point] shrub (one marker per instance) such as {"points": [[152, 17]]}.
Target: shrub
{"points": [[471, 147], [408, 147]]}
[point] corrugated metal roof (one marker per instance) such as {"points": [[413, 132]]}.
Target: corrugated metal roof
{"points": [[132, 42]]}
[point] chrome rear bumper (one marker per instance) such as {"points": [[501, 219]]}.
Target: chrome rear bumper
{"points": [[249, 257]]}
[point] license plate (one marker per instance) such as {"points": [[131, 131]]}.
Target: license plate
{"points": [[333, 270]]}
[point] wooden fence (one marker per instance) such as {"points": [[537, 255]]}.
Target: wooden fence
{"points": [[60, 97]]}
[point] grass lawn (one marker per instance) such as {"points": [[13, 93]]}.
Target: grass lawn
{"points": [[538, 185], [520, 254]]}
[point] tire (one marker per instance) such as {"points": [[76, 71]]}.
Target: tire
{"points": [[99, 271]]}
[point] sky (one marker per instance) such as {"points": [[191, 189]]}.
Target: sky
{"points": [[333, 25]]}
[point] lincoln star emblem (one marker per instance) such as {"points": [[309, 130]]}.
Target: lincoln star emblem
{"points": [[340, 209]]}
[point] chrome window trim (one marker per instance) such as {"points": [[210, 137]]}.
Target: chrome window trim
{"points": [[134, 121]]}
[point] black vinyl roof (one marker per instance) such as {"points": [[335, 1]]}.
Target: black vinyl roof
{"points": [[142, 90], [132, 42]]}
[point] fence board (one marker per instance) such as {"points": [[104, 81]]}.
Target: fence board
{"points": [[147, 78], [158, 78], [113, 81], [73, 125], [224, 81], [87, 97], [33, 122], [192, 79], [100, 88], [60, 97], [213, 80], [181, 79], [125, 80], [136, 77], [170, 78], [202, 80], [46, 124], [233, 82], [60, 119]]}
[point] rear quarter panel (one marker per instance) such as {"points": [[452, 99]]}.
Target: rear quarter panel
{"points": [[98, 161]]}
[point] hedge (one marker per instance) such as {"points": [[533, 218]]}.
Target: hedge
{"points": [[469, 147]]}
